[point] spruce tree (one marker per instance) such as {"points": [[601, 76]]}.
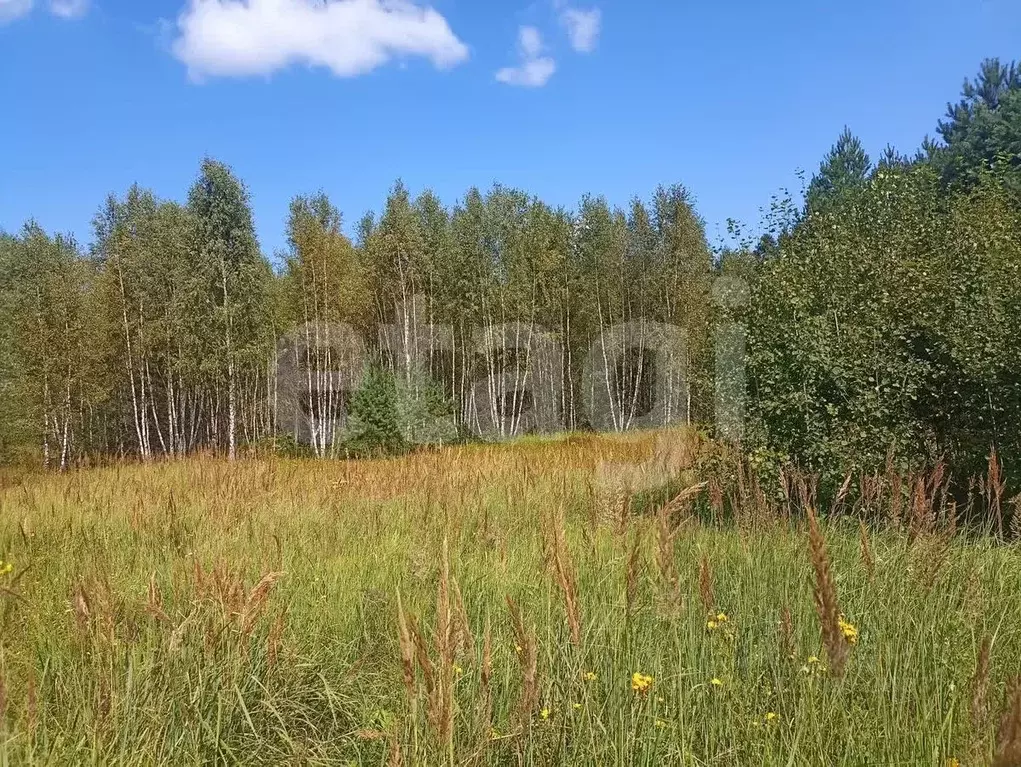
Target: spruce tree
{"points": [[845, 167], [375, 421]]}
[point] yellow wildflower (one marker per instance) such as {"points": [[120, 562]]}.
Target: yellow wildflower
{"points": [[5, 567], [660, 723], [576, 706], [590, 676], [458, 670], [517, 649], [770, 716], [716, 682], [721, 617], [813, 666], [544, 713], [641, 683], [710, 624], [849, 631]]}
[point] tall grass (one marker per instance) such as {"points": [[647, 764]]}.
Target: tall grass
{"points": [[516, 604]]}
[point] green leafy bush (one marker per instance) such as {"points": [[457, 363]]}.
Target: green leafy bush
{"points": [[886, 327]]}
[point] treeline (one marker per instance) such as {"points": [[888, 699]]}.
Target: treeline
{"points": [[876, 323], [172, 333]]}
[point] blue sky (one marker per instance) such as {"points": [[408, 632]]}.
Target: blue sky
{"points": [[557, 97]]}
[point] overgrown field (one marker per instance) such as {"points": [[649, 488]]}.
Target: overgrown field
{"points": [[286, 612]]}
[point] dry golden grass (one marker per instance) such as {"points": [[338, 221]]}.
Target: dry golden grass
{"points": [[515, 604]]}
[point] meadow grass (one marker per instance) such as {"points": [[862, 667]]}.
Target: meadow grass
{"points": [[485, 605]]}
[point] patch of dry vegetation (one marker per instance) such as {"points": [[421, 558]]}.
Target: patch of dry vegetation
{"points": [[498, 605]]}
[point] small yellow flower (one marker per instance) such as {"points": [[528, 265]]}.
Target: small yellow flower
{"points": [[660, 723], [576, 706], [641, 683], [849, 631], [721, 617], [660, 699], [458, 670], [953, 762], [770, 716], [590, 676], [517, 649], [710, 624], [716, 682], [5, 567], [813, 666], [544, 713]]}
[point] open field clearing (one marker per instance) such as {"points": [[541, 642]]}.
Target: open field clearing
{"points": [[286, 612]]}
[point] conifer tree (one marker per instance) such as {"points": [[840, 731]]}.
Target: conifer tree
{"points": [[845, 167], [982, 131]]}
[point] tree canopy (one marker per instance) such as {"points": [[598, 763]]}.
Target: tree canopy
{"points": [[880, 317]]}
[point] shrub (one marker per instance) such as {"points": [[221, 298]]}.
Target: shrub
{"points": [[886, 327], [375, 423]]}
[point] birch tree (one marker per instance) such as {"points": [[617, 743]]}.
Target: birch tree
{"points": [[234, 276], [324, 285]]}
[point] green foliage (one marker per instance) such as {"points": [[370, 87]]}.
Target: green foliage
{"points": [[425, 413], [53, 352], [230, 266], [844, 168], [982, 132], [883, 321], [887, 325], [884, 311], [180, 315], [375, 418], [12, 426]]}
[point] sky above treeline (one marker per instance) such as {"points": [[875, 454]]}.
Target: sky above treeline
{"points": [[556, 97]]}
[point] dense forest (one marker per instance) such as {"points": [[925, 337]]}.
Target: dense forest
{"points": [[875, 322]]}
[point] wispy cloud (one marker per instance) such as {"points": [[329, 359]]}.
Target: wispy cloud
{"points": [[13, 9], [535, 70], [69, 9], [349, 37], [66, 9], [583, 27]]}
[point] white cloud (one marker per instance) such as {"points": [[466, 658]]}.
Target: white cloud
{"points": [[69, 9], [530, 42], [13, 9], [530, 74], [582, 28], [349, 37], [535, 69]]}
